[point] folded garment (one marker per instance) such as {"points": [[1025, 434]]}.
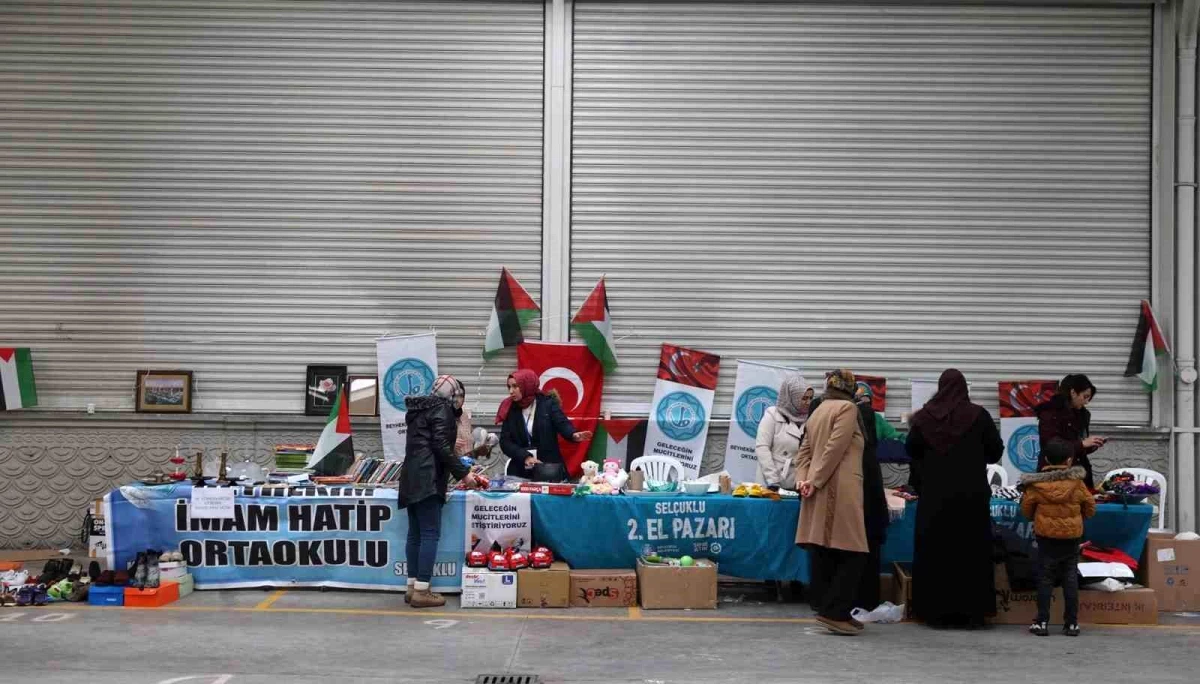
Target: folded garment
{"points": [[1006, 493]]}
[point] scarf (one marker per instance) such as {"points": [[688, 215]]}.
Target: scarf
{"points": [[527, 382], [791, 398], [448, 387], [949, 414]]}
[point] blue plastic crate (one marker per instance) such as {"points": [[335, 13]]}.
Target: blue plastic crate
{"points": [[106, 596]]}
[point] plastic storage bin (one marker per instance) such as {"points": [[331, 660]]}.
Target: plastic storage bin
{"points": [[106, 595], [167, 592]]}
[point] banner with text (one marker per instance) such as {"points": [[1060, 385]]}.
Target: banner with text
{"points": [[407, 368], [345, 537], [498, 518], [682, 405], [756, 390], [1019, 423]]}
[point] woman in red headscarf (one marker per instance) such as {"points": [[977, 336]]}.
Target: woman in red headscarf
{"points": [[531, 423], [951, 442]]}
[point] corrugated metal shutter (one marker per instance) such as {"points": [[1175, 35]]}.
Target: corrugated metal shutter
{"points": [[890, 188], [243, 188]]}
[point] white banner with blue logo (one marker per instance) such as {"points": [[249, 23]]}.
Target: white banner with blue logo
{"points": [[407, 368], [1022, 446], [756, 390], [678, 425]]}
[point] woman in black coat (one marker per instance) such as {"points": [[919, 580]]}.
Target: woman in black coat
{"points": [[428, 461], [951, 442], [1066, 417], [529, 435], [875, 510]]}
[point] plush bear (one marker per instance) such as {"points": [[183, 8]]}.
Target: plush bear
{"points": [[590, 470]]}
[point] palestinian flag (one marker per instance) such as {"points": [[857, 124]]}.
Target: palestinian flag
{"points": [[594, 324], [512, 310], [621, 438], [335, 448], [1148, 343], [17, 390]]}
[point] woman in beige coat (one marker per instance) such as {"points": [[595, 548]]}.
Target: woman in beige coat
{"points": [[779, 434], [829, 477]]}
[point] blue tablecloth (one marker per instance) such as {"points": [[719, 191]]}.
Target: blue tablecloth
{"points": [[751, 538]]}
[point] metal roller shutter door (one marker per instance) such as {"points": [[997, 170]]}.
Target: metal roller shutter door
{"points": [[889, 188], [243, 188]]}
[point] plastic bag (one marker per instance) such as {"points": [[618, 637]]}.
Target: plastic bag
{"points": [[886, 613]]}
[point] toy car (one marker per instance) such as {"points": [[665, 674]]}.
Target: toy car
{"points": [[477, 559], [541, 559], [498, 561]]}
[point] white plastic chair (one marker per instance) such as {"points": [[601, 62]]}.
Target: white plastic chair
{"points": [[993, 471], [659, 468], [1147, 475]]}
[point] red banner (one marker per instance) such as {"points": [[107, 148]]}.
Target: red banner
{"points": [[576, 376], [688, 367], [1019, 398]]}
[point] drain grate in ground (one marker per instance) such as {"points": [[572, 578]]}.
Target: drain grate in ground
{"points": [[507, 679]]}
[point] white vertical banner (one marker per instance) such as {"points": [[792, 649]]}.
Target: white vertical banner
{"points": [[922, 392], [499, 518], [756, 390], [679, 424], [407, 368]]}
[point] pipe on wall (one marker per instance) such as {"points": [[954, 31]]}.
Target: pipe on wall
{"points": [[1185, 265]]}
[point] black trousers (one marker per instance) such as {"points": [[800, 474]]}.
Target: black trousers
{"points": [[836, 576], [1058, 563]]}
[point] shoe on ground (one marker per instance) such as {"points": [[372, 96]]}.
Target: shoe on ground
{"points": [[427, 599], [857, 625], [838, 626], [1071, 630], [1039, 629]]}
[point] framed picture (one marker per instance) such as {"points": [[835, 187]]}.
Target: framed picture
{"points": [[164, 391], [364, 395], [321, 388]]}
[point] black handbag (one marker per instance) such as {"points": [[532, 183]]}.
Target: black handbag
{"points": [[548, 472]]}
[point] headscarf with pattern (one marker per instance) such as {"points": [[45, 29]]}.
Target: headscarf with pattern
{"points": [[840, 384], [791, 398]]}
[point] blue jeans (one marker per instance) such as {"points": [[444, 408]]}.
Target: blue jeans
{"points": [[424, 530]]}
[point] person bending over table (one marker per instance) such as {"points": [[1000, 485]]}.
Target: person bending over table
{"points": [[529, 434]]}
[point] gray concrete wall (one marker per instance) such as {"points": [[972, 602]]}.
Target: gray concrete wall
{"points": [[52, 465]]}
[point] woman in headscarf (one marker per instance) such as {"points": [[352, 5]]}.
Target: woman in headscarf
{"points": [[1066, 417], [429, 460], [875, 509], [529, 434], [829, 477], [779, 433], [951, 442]]}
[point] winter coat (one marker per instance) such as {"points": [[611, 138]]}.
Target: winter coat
{"points": [[549, 423], [831, 458], [428, 450], [775, 447], [1057, 501], [1057, 420]]}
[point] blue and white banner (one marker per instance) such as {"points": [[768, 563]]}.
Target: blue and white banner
{"points": [[407, 368], [501, 518], [756, 390], [345, 537], [678, 426]]}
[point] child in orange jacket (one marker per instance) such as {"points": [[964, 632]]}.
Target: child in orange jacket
{"points": [[1057, 500]]}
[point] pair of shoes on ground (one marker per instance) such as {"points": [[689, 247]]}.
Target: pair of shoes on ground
{"points": [[171, 557], [32, 595], [849, 627], [57, 570], [418, 595], [144, 572], [1043, 629]]}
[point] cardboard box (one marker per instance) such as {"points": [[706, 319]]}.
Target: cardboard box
{"points": [[671, 587], [603, 588], [544, 588], [1172, 571], [487, 589], [187, 584], [1129, 607], [902, 587], [97, 548]]}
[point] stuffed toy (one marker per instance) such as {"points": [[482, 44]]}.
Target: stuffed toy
{"points": [[614, 474], [590, 470]]}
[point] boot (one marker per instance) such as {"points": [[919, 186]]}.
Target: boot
{"points": [[423, 598], [410, 587]]}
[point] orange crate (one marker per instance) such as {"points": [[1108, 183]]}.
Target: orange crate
{"points": [[167, 592]]}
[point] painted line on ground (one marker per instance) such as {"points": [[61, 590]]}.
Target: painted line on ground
{"points": [[270, 600], [635, 613]]}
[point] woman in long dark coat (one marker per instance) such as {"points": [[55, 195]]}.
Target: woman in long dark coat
{"points": [[875, 511], [951, 442]]}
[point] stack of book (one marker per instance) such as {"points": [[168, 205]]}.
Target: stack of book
{"points": [[375, 471], [291, 457]]}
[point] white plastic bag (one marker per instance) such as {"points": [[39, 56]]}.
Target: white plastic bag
{"points": [[886, 613]]}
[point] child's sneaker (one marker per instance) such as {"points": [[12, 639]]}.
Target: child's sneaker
{"points": [[1039, 629], [1071, 630]]}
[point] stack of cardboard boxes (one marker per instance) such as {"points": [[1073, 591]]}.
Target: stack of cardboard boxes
{"points": [[661, 587], [1169, 568]]}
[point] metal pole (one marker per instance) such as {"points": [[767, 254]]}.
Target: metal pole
{"points": [[1185, 250]]}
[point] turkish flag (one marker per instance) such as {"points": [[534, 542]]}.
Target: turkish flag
{"points": [[576, 375]]}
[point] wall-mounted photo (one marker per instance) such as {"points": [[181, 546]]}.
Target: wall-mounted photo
{"points": [[321, 389], [164, 391], [364, 395]]}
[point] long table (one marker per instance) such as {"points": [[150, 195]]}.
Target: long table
{"points": [[354, 537]]}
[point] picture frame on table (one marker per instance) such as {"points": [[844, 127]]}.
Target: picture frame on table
{"points": [[363, 393], [321, 387], [164, 391]]}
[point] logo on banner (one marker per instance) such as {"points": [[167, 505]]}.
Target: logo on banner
{"points": [[407, 378], [680, 416], [1024, 448], [751, 406]]}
